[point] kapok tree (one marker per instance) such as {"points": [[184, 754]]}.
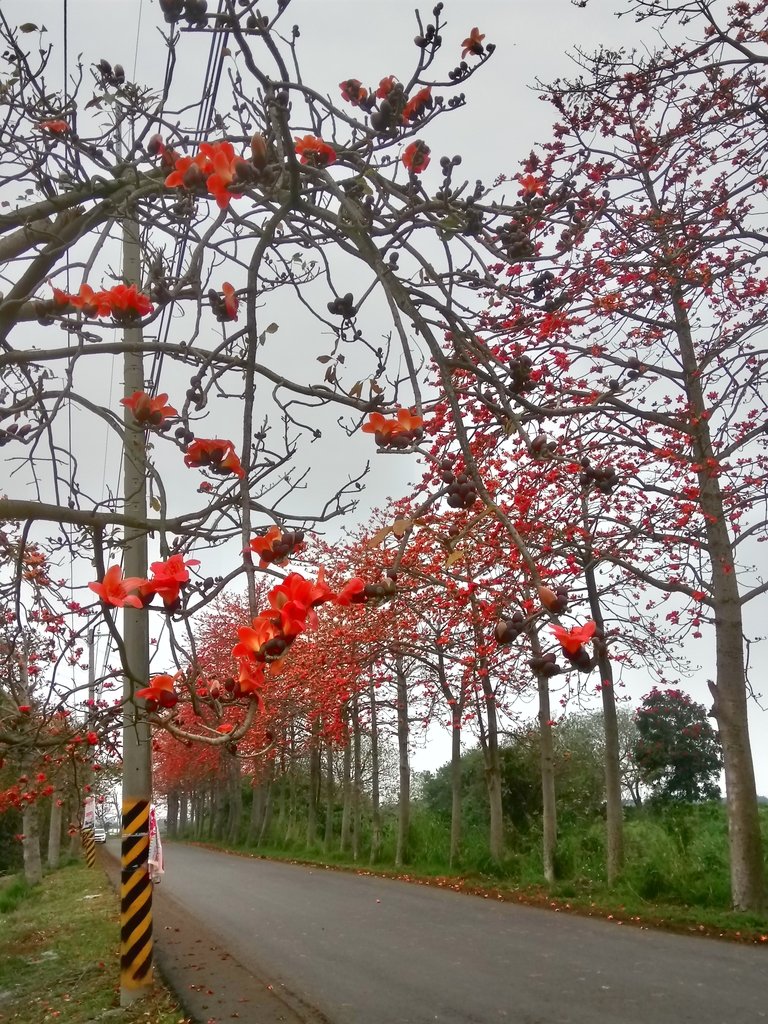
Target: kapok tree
{"points": [[634, 330], [677, 750]]}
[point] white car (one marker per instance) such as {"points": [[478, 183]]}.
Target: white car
{"points": [[99, 835]]}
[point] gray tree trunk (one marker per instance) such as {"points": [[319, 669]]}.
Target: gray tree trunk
{"points": [[330, 798], [235, 801], [730, 687], [313, 796], [547, 763], [404, 795], [172, 822], [375, 797], [357, 778], [54, 831], [346, 789]]}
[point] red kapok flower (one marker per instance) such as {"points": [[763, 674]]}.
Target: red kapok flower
{"points": [[217, 455], [353, 91], [159, 692], [58, 127], [92, 738], [473, 43], [416, 156], [417, 104], [230, 300], [409, 421], [221, 161], [314, 151], [90, 302], [254, 638], [186, 174], [168, 578], [531, 185], [572, 639], [353, 592], [116, 590], [275, 546], [151, 411], [386, 85], [127, 302]]}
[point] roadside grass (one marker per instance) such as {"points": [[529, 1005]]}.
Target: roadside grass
{"points": [[59, 946]]}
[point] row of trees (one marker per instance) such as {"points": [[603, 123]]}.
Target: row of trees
{"points": [[346, 799], [574, 353]]}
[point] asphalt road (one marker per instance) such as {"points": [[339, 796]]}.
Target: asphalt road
{"points": [[365, 950]]}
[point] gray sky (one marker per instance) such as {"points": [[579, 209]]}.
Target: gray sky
{"points": [[343, 39]]}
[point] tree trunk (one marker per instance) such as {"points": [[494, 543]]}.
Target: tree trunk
{"points": [[730, 710], [257, 814], [219, 810], [313, 796], [489, 739], [614, 809], [54, 831], [404, 795], [730, 688], [455, 843], [30, 844], [356, 778], [346, 788], [375, 798], [547, 758], [235, 801], [266, 821], [330, 798], [183, 812], [172, 823]]}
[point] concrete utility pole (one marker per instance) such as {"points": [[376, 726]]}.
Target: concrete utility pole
{"points": [[86, 832], [135, 886]]}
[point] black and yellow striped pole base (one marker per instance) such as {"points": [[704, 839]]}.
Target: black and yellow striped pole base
{"points": [[135, 903], [89, 845]]}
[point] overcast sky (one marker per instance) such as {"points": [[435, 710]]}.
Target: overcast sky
{"points": [[343, 39]]}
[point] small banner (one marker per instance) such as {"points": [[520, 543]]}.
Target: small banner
{"points": [[89, 812], [156, 869]]}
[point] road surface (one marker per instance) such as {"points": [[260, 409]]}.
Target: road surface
{"points": [[364, 950]]}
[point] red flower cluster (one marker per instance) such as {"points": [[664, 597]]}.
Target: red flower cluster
{"points": [[117, 590], [275, 547], [416, 156], [217, 455], [353, 91], [58, 127], [123, 302], [224, 306], [572, 641], [473, 43], [150, 411], [167, 580], [395, 433], [291, 609], [418, 104], [215, 167], [314, 151], [160, 693]]}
